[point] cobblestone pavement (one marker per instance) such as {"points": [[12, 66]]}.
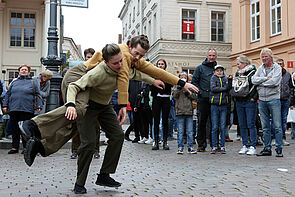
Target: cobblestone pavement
{"points": [[144, 172]]}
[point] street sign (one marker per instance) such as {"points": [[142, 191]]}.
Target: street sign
{"points": [[290, 64], [74, 3], [188, 27]]}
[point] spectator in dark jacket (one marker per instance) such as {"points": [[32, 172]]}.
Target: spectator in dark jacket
{"points": [[286, 94], [144, 111], [134, 87], [22, 97], [161, 103], [201, 79], [220, 86]]}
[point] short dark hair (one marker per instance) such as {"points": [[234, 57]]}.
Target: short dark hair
{"points": [[109, 51], [162, 61], [212, 49], [89, 50], [142, 40], [280, 60]]}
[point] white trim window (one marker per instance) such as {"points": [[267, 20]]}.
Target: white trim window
{"points": [[255, 20], [188, 24], [12, 74], [22, 29], [217, 26], [276, 17]]}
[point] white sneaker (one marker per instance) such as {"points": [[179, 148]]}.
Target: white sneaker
{"points": [[149, 141], [285, 143], [273, 142], [243, 150], [251, 151], [142, 141]]}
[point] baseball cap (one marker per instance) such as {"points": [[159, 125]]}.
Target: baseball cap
{"points": [[218, 66]]}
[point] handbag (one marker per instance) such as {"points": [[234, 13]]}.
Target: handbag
{"points": [[240, 86], [291, 115]]}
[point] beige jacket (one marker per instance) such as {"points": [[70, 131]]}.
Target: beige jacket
{"points": [[141, 65], [103, 82]]}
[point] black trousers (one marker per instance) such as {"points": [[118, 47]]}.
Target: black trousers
{"points": [[161, 104], [204, 108], [145, 120], [15, 117]]}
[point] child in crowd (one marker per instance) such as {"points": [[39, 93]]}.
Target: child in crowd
{"points": [[220, 86], [184, 115]]}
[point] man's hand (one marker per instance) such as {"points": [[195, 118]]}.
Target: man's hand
{"points": [[122, 115], [292, 107], [159, 84], [71, 113], [189, 86], [38, 110], [4, 109]]}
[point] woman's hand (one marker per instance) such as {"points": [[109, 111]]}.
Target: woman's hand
{"points": [[189, 86], [71, 113], [159, 84]]}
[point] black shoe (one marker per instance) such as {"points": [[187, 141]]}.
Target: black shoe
{"points": [[106, 180], [34, 146], [279, 153], [12, 151], [264, 152], [74, 155], [165, 146], [155, 146], [79, 189], [135, 140], [29, 129], [127, 138], [96, 155]]}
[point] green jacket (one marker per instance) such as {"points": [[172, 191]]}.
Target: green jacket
{"points": [[103, 82]]}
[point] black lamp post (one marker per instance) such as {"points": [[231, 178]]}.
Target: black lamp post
{"points": [[52, 61]]}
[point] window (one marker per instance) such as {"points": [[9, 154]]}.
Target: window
{"points": [[22, 29], [188, 70], [276, 17], [12, 74], [217, 26], [188, 24], [255, 20]]}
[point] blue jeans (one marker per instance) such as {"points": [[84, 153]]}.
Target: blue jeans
{"points": [[284, 112], [246, 111], [130, 115], [172, 124], [218, 120], [187, 123], [267, 110]]}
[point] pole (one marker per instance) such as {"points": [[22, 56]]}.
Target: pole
{"points": [[52, 61]]}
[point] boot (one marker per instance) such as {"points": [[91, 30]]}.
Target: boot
{"points": [[156, 143], [165, 145]]}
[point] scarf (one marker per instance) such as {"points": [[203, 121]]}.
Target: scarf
{"points": [[245, 69]]}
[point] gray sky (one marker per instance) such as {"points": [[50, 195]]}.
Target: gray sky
{"points": [[94, 26]]}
